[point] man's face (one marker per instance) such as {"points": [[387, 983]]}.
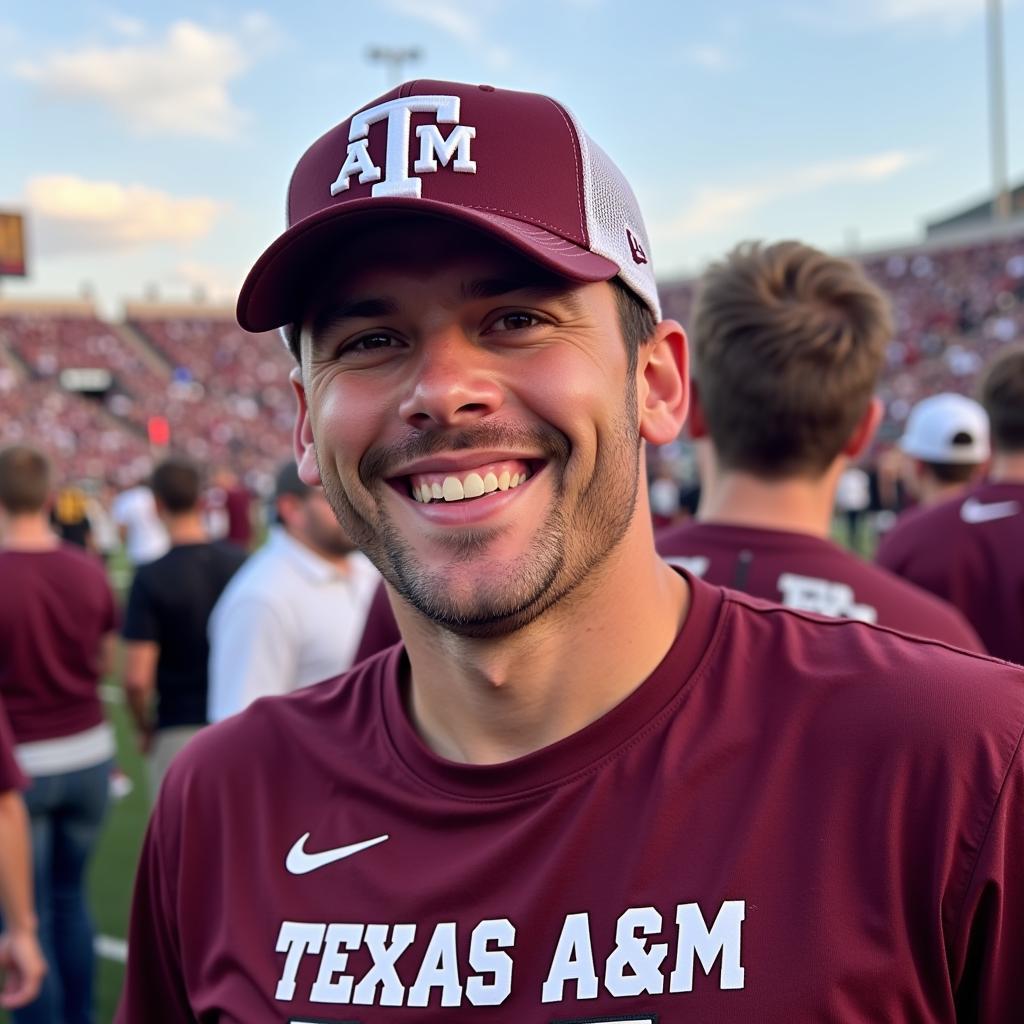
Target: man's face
{"points": [[474, 427]]}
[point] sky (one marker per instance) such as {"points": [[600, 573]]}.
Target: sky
{"points": [[149, 145]]}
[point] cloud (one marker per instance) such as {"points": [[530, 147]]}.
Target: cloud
{"points": [[708, 56], [71, 214], [125, 25], [215, 283], [464, 22], [175, 85], [717, 206]]}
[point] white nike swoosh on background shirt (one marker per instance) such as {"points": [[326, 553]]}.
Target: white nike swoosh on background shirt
{"points": [[300, 863], [974, 511]]}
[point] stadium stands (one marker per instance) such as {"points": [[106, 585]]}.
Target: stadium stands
{"points": [[225, 396]]}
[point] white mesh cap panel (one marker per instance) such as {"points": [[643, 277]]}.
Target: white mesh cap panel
{"points": [[612, 210]]}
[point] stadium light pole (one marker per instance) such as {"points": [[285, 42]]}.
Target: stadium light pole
{"points": [[997, 112], [396, 57]]}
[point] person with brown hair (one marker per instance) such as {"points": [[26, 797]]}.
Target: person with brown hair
{"points": [[57, 622], [788, 344], [166, 650], [586, 786], [968, 550]]}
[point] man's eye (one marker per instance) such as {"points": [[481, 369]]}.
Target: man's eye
{"points": [[370, 343], [517, 321]]}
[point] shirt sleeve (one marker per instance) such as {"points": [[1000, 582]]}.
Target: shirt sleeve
{"points": [[990, 942], [154, 986], [140, 621], [253, 654]]}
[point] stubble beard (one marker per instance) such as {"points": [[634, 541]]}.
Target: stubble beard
{"points": [[567, 549]]}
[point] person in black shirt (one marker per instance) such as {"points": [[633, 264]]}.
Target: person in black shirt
{"points": [[166, 650]]}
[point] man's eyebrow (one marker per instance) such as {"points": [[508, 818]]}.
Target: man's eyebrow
{"points": [[551, 287], [357, 309]]}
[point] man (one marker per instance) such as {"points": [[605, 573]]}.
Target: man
{"points": [[788, 344], [947, 440], [169, 605], [295, 613], [21, 960], [588, 787], [57, 622], [138, 524], [967, 549]]}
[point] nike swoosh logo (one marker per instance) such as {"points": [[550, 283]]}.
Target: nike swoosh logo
{"points": [[301, 863], [974, 511]]}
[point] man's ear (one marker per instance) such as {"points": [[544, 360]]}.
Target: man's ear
{"points": [[302, 435], [865, 430], [663, 379]]}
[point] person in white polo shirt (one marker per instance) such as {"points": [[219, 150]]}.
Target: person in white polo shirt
{"points": [[294, 613], [947, 440]]}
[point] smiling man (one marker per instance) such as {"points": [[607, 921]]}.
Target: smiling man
{"points": [[587, 787]]}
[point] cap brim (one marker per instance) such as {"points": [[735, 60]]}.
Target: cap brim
{"points": [[275, 289]]}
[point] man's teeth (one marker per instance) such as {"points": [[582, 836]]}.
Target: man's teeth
{"points": [[472, 485]]}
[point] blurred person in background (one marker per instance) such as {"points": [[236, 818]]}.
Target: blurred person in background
{"points": [[57, 622], [228, 505], [142, 533], [294, 615], [70, 517], [947, 441], [969, 549], [21, 960], [788, 343], [166, 650]]}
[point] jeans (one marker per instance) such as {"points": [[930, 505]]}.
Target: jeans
{"points": [[66, 813]]}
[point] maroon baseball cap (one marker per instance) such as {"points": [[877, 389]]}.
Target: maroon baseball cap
{"points": [[514, 164]]}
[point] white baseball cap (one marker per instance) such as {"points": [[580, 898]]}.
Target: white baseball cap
{"points": [[947, 428]]}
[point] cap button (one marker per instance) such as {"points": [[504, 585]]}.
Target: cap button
{"points": [[486, 88]]}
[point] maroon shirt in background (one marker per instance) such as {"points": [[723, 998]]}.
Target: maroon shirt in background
{"points": [[970, 552], [238, 507], [381, 630], [10, 774], [55, 608], [792, 819], [812, 574]]}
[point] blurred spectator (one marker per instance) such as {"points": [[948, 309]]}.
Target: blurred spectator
{"points": [[166, 650], [57, 621], [968, 549], [142, 532], [21, 960], [787, 347], [295, 613], [947, 440], [70, 518], [853, 499]]}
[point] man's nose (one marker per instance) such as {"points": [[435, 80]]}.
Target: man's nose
{"points": [[455, 382]]}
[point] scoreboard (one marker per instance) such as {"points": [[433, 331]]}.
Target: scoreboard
{"points": [[12, 245]]}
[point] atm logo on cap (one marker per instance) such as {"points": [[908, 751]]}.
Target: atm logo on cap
{"points": [[393, 179]]}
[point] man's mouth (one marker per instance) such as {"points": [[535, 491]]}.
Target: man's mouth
{"points": [[470, 484]]}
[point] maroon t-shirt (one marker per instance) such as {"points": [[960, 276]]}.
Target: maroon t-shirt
{"points": [[969, 551], [811, 574], [10, 774], [55, 608], [792, 819]]}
